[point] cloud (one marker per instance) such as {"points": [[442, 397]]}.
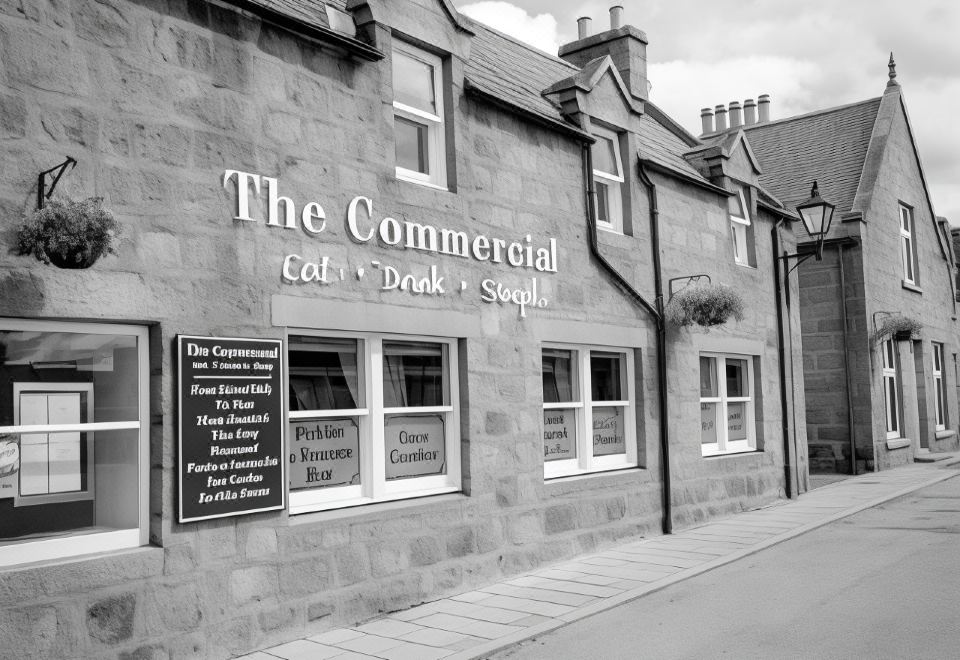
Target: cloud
{"points": [[539, 31]]}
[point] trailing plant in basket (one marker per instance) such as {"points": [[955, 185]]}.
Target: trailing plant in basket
{"points": [[704, 304], [899, 327], [69, 234]]}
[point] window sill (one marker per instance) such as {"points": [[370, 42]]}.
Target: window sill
{"points": [[589, 474], [943, 435], [353, 508], [911, 287], [898, 443], [610, 229], [426, 184], [744, 265], [738, 452]]}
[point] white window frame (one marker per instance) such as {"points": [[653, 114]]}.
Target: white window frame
{"points": [[613, 184], [739, 227], [436, 138], [70, 544], [374, 486], [724, 446], [888, 358], [585, 462], [907, 247], [939, 391]]}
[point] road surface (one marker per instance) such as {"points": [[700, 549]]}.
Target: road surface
{"points": [[884, 583]]}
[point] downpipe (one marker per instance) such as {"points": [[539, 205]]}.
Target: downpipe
{"points": [[655, 312], [781, 359]]}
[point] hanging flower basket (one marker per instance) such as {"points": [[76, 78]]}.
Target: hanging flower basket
{"points": [[900, 328], [705, 305], [69, 234]]}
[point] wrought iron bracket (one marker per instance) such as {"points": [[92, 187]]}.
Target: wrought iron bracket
{"points": [[43, 192], [690, 279]]}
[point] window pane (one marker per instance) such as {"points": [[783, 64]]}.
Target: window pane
{"points": [[908, 258], [737, 421], [26, 468], [107, 361], [708, 377], [735, 206], [603, 201], [559, 434], [557, 376], [737, 378], [939, 394], [413, 374], [324, 453], [893, 417], [708, 423], [323, 374], [609, 431], [604, 156], [605, 376], [411, 145], [413, 83], [414, 445]]}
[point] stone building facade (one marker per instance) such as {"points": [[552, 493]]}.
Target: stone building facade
{"points": [[405, 205], [881, 397]]}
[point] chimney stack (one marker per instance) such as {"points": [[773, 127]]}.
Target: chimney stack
{"points": [[583, 27], [749, 112], [706, 119], [764, 107], [625, 44], [721, 115], [616, 17], [736, 117]]}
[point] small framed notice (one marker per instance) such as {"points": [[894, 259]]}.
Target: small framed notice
{"points": [[230, 426]]}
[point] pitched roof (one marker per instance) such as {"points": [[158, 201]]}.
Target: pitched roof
{"points": [[514, 71], [829, 145]]}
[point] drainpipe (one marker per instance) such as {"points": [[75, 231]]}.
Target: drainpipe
{"points": [[656, 313], [851, 429], [781, 359]]}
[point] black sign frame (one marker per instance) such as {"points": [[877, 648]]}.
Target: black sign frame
{"points": [[275, 435]]}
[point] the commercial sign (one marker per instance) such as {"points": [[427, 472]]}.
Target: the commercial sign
{"points": [[230, 427]]}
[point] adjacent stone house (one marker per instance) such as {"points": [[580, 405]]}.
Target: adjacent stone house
{"points": [[385, 321], [876, 397]]}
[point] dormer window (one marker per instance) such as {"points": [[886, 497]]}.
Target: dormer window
{"points": [[740, 229], [608, 179], [418, 116]]}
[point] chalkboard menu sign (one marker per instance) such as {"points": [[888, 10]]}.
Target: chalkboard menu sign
{"points": [[231, 426]]}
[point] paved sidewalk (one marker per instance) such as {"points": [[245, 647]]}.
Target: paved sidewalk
{"points": [[478, 623]]}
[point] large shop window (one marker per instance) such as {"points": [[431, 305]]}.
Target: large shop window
{"points": [[608, 179], [589, 417], [940, 404], [418, 120], [727, 424], [891, 395], [73, 439], [372, 418]]}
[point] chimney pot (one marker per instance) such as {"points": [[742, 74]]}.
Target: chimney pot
{"points": [[763, 106], [706, 119], [736, 117], [583, 27], [721, 115], [616, 17], [749, 112]]}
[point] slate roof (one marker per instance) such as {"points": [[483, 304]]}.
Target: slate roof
{"points": [[517, 74], [830, 145], [513, 71]]}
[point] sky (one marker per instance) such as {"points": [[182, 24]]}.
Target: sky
{"points": [[806, 55]]}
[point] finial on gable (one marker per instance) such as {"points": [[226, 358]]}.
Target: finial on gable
{"points": [[893, 72]]}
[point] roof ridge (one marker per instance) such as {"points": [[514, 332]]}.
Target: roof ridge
{"points": [[522, 44], [808, 115]]}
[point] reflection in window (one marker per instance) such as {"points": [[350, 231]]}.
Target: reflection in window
{"points": [[59, 475], [726, 405]]}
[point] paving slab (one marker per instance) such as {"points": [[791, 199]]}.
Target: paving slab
{"points": [[477, 623]]}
